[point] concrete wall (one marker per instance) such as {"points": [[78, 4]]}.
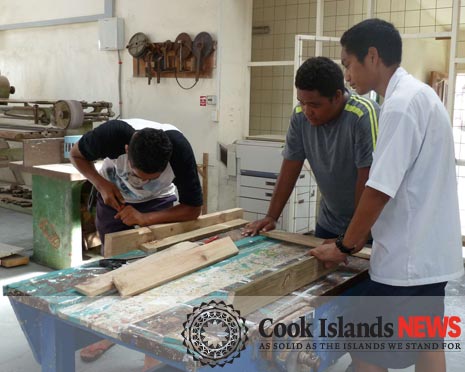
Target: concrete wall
{"points": [[63, 62]]}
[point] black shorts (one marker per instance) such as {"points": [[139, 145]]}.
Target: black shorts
{"points": [[394, 305]]}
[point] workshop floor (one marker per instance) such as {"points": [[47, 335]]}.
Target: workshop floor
{"points": [[16, 356]]}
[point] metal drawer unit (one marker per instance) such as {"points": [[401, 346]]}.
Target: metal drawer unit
{"points": [[258, 166]]}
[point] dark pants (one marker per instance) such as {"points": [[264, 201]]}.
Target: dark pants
{"points": [[322, 233], [390, 303], [106, 223]]}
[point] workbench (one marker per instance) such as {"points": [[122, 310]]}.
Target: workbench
{"points": [[57, 320]]}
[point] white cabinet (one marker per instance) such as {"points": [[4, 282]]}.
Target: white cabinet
{"points": [[258, 166]]}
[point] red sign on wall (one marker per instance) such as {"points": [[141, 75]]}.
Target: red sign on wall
{"points": [[203, 100]]}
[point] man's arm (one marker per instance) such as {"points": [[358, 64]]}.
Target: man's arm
{"points": [[362, 178], [290, 170], [369, 208], [110, 193]]}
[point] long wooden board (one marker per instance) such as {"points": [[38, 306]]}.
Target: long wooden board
{"points": [[308, 241], [201, 233], [161, 268], [270, 287], [125, 241], [104, 282]]}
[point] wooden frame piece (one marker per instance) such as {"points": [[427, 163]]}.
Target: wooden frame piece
{"points": [[308, 241], [128, 240], [272, 286], [155, 246]]}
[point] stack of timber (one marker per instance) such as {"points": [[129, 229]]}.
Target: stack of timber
{"points": [[159, 268]]}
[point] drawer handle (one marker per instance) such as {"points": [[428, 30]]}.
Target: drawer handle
{"points": [[301, 201], [270, 194], [268, 183]]}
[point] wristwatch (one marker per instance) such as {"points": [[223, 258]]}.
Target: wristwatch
{"points": [[342, 247]]}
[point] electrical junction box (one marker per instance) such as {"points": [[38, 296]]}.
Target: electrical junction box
{"points": [[111, 33]]}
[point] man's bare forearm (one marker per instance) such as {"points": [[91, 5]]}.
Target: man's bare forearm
{"points": [[369, 208], [85, 167]]}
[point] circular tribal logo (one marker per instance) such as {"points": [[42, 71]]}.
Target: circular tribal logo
{"points": [[215, 333]]}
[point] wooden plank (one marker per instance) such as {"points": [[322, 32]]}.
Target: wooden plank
{"points": [[14, 260], [98, 285], [364, 253], [270, 287], [43, 151], [171, 266], [7, 250], [306, 240], [201, 233], [125, 241], [169, 229], [104, 282]]}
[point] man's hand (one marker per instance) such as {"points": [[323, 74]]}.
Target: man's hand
{"points": [[265, 224], [130, 216], [110, 194], [329, 254]]}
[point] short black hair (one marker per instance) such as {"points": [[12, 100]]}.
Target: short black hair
{"points": [[150, 150], [375, 33], [321, 74]]}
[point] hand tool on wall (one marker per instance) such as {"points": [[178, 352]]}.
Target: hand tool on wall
{"points": [[183, 49], [202, 47], [138, 45], [167, 49]]}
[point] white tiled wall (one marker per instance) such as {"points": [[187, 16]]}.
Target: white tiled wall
{"points": [[271, 87]]}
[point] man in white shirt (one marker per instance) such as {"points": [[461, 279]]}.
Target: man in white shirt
{"points": [[410, 201]]}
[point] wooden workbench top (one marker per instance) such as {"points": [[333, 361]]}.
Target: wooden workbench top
{"points": [[154, 319], [63, 171]]}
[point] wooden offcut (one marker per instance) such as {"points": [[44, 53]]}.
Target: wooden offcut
{"points": [[270, 287], [160, 268], [125, 241], [201, 233], [14, 260], [98, 285]]}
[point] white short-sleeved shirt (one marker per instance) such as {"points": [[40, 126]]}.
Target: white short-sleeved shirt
{"points": [[417, 238]]}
